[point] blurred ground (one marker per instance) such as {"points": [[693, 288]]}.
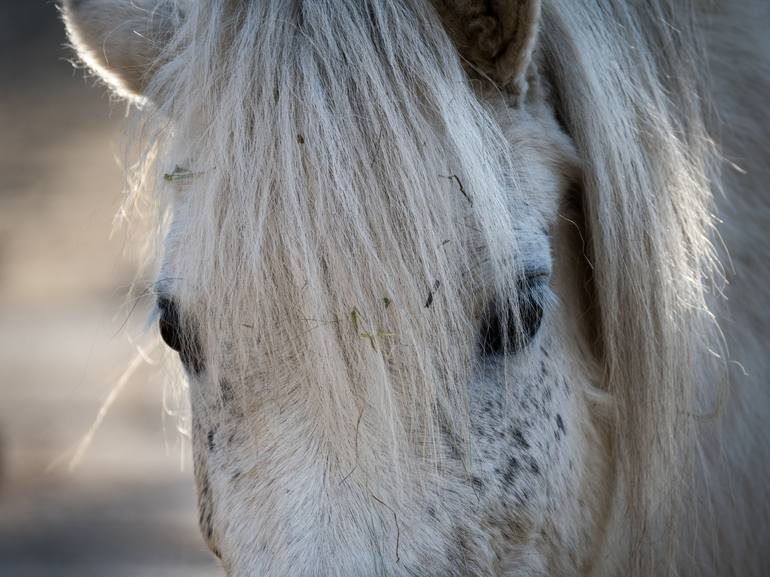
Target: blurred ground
{"points": [[129, 509]]}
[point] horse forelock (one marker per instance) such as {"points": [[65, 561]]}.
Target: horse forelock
{"points": [[346, 208]]}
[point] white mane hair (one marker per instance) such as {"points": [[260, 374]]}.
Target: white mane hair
{"points": [[630, 80], [345, 170]]}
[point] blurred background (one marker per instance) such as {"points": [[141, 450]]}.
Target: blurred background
{"points": [[67, 336]]}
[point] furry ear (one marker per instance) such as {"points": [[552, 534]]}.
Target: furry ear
{"points": [[496, 37], [120, 40]]}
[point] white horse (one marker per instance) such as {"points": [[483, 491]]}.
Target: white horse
{"points": [[445, 277]]}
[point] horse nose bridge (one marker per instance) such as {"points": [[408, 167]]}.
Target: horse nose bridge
{"points": [[299, 484]]}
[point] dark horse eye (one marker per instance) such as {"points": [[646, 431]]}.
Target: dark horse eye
{"points": [[168, 323], [501, 327], [178, 335]]}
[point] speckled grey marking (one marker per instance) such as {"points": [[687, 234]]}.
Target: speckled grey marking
{"points": [[226, 392], [560, 430], [519, 438], [205, 507], [511, 471]]}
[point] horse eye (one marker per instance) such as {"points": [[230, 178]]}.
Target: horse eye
{"points": [[516, 329], [180, 335], [168, 323]]}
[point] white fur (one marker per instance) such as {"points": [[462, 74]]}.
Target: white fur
{"points": [[338, 158]]}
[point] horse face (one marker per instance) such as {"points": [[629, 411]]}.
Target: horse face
{"points": [[299, 474], [521, 494]]}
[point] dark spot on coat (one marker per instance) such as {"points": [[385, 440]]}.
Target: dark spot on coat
{"points": [[210, 439], [459, 550], [226, 392], [205, 508], [534, 467], [511, 471], [560, 423], [519, 438], [431, 292]]}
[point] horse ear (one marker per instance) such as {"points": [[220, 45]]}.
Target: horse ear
{"points": [[120, 40], [496, 37]]}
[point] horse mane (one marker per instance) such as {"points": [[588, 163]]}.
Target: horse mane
{"points": [[354, 123], [629, 80]]}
